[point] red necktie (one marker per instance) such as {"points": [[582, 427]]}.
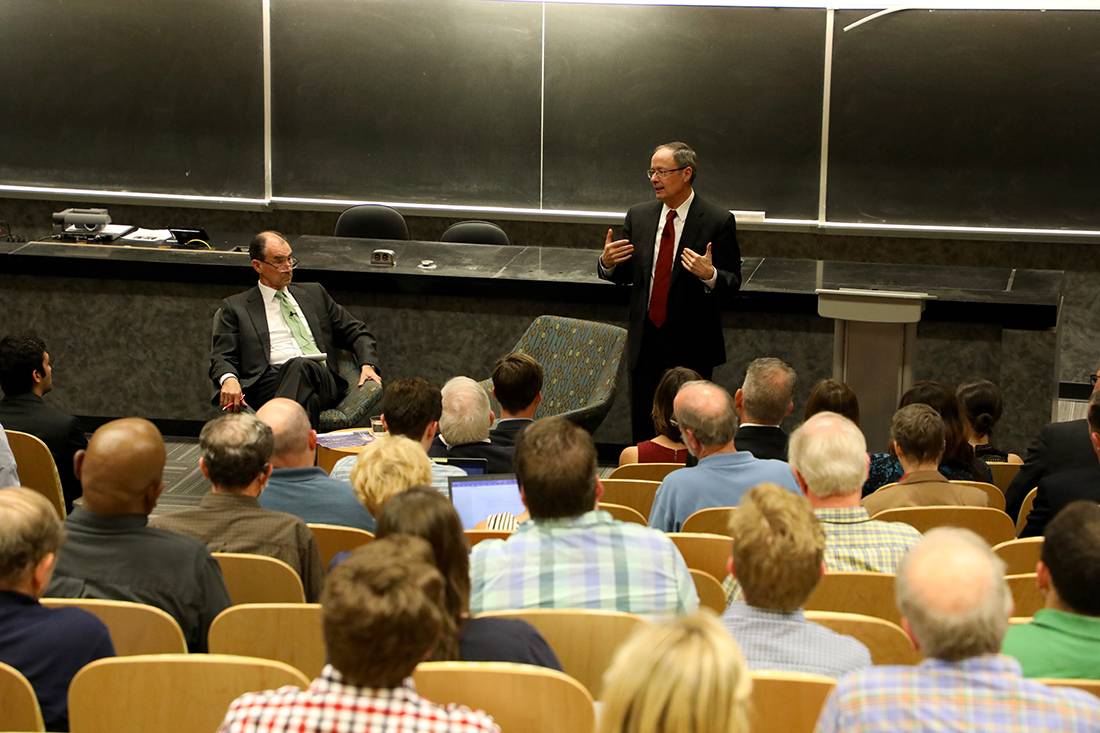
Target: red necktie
{"points": [[658, 300]]}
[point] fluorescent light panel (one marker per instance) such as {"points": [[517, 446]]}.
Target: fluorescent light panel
{"points": [[854, 5]]}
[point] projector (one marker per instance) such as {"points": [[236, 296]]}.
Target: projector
{"points": [[86, 220]]}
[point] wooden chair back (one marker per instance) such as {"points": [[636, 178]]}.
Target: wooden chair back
{"points": [[992, 525], [710, 591], [1025, 509], [520, 697], [788, 702], [1090, 686], [36, 467], [1026, 597], [1020, 556], [259, 579], [333, 539], [713, 520], [18, 704], [286, 632], [136, 628], [645, 471], [703, 551], [886, 641], [622, 513], [1019, 620], [634, 493], [585, 640], [856, 592], [474, 536], [994, 495], [1003, 473], [182, 693]]}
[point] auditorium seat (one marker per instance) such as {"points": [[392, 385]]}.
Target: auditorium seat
{"points": [[645, 471], [886, 641], [855, 592], [715, 520], [1003, 473], [333, 539], [634, 493], [995, 495], [1025, 509], [622, 513], [136, 628], [1026, 596], [18, 702], [475, 232], [710, 591], [286, 632], [703, 551], [372, 221], [36, 467], [788, 702], [259, 579], [992, 525], [474, 536], [1020, 556]]}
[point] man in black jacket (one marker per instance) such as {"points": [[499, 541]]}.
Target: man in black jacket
{"points": [[517, 386], [764, 399]]}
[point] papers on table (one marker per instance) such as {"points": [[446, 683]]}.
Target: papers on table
{"points": [[345, 439]]}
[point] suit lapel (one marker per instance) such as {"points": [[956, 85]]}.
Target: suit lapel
{"points": [[257, 312], [645, 249]]}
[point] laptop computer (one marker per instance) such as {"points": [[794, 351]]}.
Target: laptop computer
{"points": [[476, 498], [472, 466]]}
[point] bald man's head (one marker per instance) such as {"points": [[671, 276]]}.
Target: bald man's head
{"points": [[707, 411], [122, 469], [294, 438]]}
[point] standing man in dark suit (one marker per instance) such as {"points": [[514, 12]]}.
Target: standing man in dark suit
{"points": [[270, 340], [26, 375], [687, 262]]}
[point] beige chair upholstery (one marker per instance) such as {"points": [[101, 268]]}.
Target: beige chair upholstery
{"points": [[710, 591], [788, 702], [181, 693], [622, 513], [520, 697], [259, 579], [645, 471], [886, 641], [286, 632], [135, 627], [1025, 509], [1090, 686], [713, 520], [474, 536], [703, 551], [1020, 556], [992, 525], [585, 640], [36, 467], [1026, 597], [18, 705], [867, 593], [1003, 473], [635, 493], [995, 495], [333, 539]]}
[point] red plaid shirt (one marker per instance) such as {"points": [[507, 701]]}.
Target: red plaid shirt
{"points": [[330, 706]]}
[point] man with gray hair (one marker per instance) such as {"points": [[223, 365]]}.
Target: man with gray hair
{"points": [[236, 458], [49, 646], [763, 400], [955, 605], [705, 414], [464, 427], [829, 456]]}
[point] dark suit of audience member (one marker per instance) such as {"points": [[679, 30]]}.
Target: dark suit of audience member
{"points": [[1061, 446], [505, 431], [1058, 490], [763, 400], [464, 427], [763, 441], [60, 431]]}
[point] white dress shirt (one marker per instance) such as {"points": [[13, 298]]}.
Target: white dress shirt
{"points": [[283, 346], [9, 476]]}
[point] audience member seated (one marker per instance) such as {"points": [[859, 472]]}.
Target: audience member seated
{"points": [[778, 559], [684, 675], [236, 454], [1060, 446], [429, 515], [705, 414], [386, 467], [382, 614], [411, 408], [48, 646], [829, 457], [982, 406], [668, 446], [763, 400], [464, 427], [954, 605], [570, 555], [296, 485], [517, 386], [111, 553], [832, 395], [1063, 639], [9, 475], [917, 439], [1057, 490], [959, 462], [26, 375]]}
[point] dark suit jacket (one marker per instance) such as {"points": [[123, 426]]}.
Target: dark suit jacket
{"points": [[763, 441], [694, 313], [242, 344], [498, 457], [505, 432], [60, 431], [1057, 490], [1061, 446]]}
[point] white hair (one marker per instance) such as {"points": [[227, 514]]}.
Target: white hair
{"points": [[830, 453], [465, 417]]}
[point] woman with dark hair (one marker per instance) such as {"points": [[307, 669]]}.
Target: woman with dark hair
{"points": [[958, 462], [982, 405], [427, 514], [668, 446], [832, 395]]}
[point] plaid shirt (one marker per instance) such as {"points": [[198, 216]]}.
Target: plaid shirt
{"points": [[856, 543], [330, 706], [590, 561], [978, 694]]}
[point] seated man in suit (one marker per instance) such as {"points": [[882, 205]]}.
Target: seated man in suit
{"points": [[269, 340], [464, 426], [764, 399], [517, 385], [26, 375], [917, 435], [111, 553], [236, 459]]}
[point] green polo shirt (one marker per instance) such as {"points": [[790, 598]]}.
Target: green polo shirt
{"points": [[1057, 644]]}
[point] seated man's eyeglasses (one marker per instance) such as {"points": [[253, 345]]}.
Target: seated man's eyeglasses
{"points": [[662, 172], [280, 262]]}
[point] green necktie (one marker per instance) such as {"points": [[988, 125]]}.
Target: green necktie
{"points": [[294, 323]]}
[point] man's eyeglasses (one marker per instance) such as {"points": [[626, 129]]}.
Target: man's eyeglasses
{"points": [[662, 172], [281, 262]]}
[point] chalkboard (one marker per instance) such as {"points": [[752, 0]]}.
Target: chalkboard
{"points": [[967, 117], [743, 86], [164, 97], [407, 101]]}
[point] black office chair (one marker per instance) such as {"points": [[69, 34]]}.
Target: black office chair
{"points": [[475, 232], [372, 221]]}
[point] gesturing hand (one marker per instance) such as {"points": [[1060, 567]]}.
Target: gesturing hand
{"points": [[615, 252], [701, 266]]}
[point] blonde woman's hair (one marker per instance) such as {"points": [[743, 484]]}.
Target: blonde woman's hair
{"points": [[388, 466], [686, 675]]}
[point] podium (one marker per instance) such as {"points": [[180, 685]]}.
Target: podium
{"points": [[874, 340]]}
